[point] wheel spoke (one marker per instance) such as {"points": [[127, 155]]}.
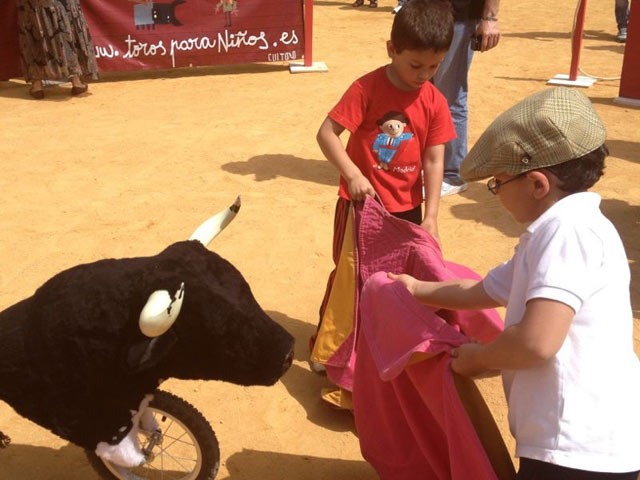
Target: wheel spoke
{"points": [[164, 452], [179, 439], [168, 427]]}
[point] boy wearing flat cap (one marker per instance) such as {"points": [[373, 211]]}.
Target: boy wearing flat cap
{"points": [[570, 375]]}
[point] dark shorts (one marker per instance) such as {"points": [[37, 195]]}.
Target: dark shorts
{"points": [[537, 470], [413, 215]]}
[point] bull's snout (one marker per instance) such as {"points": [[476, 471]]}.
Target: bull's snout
{"points": [[288, 360]]}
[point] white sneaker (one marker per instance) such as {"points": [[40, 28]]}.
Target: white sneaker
{"points": [[622, 35], [448, 189]]}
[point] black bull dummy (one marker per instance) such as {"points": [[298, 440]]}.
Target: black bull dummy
{"points": [[83, 354]]}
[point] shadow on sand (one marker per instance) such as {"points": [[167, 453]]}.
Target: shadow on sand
{"points": [[26, 462], [304, 385], [269, 167], [299, 467]]}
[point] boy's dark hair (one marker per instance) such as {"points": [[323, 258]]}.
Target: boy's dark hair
{"points": [[423, 25], [581, 173], [392, 115]]}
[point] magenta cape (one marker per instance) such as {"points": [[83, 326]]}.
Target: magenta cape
{"points": [[410, 417]]}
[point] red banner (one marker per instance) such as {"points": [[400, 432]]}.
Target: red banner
{"points": [[9, 55], [143, 34]]}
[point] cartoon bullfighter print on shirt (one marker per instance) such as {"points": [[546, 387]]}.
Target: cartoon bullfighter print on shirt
{"points": [[387, 143]]}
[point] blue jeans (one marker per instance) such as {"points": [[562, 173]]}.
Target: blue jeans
{"points": [[451, 80], [622, 13]]}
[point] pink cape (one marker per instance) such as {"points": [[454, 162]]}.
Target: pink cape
{"points": [[410, 419]]}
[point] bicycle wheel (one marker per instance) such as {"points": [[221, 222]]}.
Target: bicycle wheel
{"points": [[185, 448]]}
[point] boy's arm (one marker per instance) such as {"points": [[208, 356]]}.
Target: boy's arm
{"points": [[459, 294], [328, 138], [433, 168], [530, 343]]}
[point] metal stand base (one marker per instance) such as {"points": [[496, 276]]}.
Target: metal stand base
{"points": [[299, 67], [563, 79], [629, 102]]}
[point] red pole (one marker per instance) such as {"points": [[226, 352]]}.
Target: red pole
{"points": [[576, 41], [308, 32], [630, 81]]}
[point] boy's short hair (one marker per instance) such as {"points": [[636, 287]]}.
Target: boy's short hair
{"points": [[581, 173], [423, 25], [548, 128]]}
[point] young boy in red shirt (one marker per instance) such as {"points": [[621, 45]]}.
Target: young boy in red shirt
{"points": [[399, 123]]}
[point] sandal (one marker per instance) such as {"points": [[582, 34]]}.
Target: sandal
{"points": [[77, 87], [358, 3], [79, 90], [37, 93]]}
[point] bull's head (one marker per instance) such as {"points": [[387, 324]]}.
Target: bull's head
{"points": [[161, 310], [212, 319]]}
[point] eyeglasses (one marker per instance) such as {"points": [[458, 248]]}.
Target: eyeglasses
{"points": [[494, 184]]}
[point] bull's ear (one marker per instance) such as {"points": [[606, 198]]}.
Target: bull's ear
{"points": [[148, 353], [212, 227], [160, 311]]}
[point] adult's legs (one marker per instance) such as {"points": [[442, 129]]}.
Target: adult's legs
{"points": [[622, 13], [451, 80], [55, 44], [622, 19]]}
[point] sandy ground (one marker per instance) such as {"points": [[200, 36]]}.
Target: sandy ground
{"points": [[138, 163]]}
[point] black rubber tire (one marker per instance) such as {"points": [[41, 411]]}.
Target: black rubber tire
{"points": [[199, 427]]}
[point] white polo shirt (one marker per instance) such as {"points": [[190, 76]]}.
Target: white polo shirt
{"points": [[581, 409]]}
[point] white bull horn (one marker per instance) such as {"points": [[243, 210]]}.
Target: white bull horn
{"points": [[160, 312], [212, 227]]}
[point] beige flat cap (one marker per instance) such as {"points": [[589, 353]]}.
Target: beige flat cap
{"points": [[546, 128]]}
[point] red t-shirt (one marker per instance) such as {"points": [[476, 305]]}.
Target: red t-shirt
{"points": [[392, 162]]}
